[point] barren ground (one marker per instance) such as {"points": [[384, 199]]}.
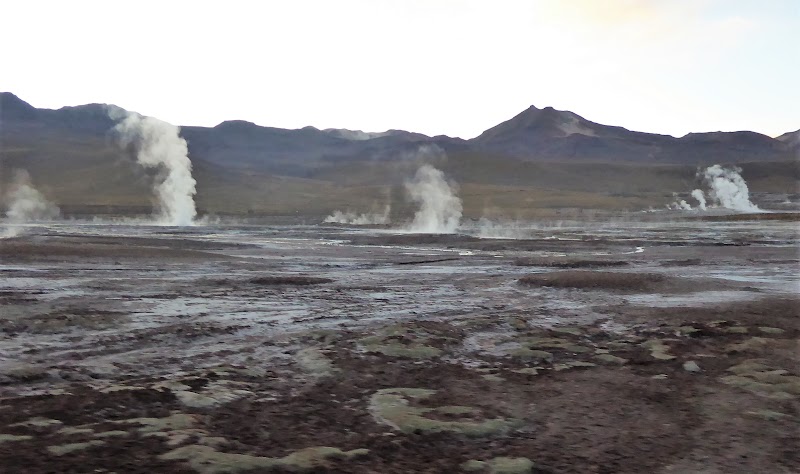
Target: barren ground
{"points": [[619, 348]]}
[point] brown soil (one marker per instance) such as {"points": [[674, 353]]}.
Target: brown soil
{"points": [[598, 280]]}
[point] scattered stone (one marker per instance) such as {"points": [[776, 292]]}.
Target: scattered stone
{"points": [[473, 465], [687, 330], [658, 350], [112, 433], [526, 353], [176, 421], [4, 438], [38, 422], [618, 345], [499, 465], [573, 364], [659, 377], [528, 370], [213, 394], [74, 430], [611, 359], [769, 415], [770, 330], [691, 366], [63, 449], [195, 400], [120, 388]]}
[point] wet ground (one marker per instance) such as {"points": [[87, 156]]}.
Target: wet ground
{"points": [[623, 346]]}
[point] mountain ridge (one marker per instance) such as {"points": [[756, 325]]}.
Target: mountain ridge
{"points": [[72, 150], [532, 119]]}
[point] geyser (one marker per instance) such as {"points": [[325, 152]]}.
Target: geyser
{"points": [[727, 189], [25, 203], [159, 146], [439, 208], [701, 199]]}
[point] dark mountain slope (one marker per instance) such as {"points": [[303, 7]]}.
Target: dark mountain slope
{"points": [[549, 134], [792, 139]]}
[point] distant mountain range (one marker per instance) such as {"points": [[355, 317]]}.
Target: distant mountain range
{"points": [[533, 135], [538, 147]]}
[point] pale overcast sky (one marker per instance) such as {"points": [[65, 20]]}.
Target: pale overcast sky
{"points": [[454, 67]]}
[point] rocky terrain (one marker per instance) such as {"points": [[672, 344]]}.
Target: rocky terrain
{"points": [[626, 348]]}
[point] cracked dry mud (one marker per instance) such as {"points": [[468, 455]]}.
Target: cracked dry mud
{"points": [[651, 348]]}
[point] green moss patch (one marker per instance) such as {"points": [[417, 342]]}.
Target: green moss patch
{"points": [[392, 407], [756, 376], [398, 341], [207, 460]]}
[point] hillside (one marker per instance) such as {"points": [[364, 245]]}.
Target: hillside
{"points": [[549, 134], [540, 159]]}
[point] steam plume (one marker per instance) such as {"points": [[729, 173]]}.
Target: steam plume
{"points": [[440, 209], [701, 199], [26, 203], [681, 205], [367, 218], [728, 189], [159, 146]]}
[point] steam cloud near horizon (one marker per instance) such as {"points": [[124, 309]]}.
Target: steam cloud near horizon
{"points": [[26, 204], [159, 146], [439, 208], [726, 189], [367, 218]]}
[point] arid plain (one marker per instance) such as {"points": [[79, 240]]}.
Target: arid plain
{"points": [[657, 344]]}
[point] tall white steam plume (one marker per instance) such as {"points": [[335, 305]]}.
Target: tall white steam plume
{"points": [[25, 203], [158, 145], [439, 208], [727, 189], [701, 199]]}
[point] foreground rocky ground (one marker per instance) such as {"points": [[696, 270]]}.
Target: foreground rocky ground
{"points": [[290, 352]]}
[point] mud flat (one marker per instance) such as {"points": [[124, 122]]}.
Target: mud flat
{"points": [[658, 347]]}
